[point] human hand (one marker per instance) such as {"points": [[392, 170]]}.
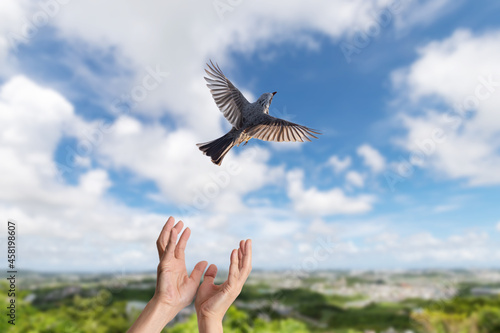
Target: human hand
{"points": [[174, 288], [212, 301], [173, 285]]}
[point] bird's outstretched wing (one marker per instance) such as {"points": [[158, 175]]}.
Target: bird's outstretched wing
{"points": [[227, 97], [276, 129]]}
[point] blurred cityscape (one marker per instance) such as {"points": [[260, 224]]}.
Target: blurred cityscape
{"points": [[275, 301]]}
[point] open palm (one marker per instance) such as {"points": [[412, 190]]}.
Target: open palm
{"points": [[212, 301], [174, 286]]}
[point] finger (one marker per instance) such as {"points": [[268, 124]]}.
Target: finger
{"points": [[210, 274], [198, 270], [242, 246], [240, 258], [247, 257], [181, 245], [164, 235], [233, 269], [169, 252], [179, 226]]}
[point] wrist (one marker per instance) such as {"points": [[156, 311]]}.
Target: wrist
{"points": [[165, 309], [211, 317], [163, 305], [154, 317], [209, 324]]}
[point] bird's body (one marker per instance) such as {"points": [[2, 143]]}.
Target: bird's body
{"points": [[249, 120]]}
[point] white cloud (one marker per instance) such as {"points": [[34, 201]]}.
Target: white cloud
{"points": [[371, 157], [422, 247], [355, 178], [323, 203], [196, 31], [385, 246], [448, 140], [183, 174], [376, 244], [59, 221], [414, 13], [498, 226], [25, 122], [11, 22], [338, 164], [54, 213]]}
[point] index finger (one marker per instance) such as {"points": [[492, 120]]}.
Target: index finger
{"points": [[164, 236]]}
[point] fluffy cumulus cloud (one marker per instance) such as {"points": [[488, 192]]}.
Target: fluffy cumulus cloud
{"points": [[48, 210], [355, 178], [45, 115], [184, 175], [371, 158], [312, 201], [59, 221], [459, 140], [339, 164]]}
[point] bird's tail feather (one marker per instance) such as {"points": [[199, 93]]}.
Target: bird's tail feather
{"points": [[218, 148]]}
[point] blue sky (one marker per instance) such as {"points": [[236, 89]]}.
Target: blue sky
{"points": [[102, 151]]}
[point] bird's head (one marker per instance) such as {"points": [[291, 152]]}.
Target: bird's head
{"points": [[265, 100]]}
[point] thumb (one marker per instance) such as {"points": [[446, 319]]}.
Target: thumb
{"points": [[210, 274], [198, 271]]}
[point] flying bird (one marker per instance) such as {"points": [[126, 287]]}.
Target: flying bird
{"points": [[249, 120]]}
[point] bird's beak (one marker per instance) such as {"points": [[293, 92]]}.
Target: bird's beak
{"points": [[274, 93]]}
